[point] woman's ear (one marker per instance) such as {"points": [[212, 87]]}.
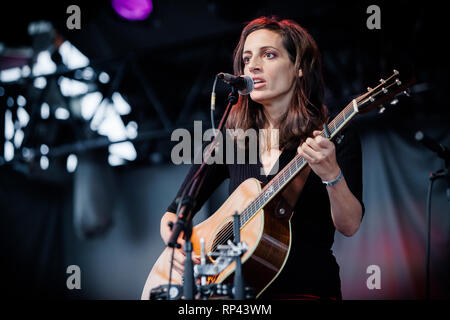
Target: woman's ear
{"points": [[300, 73]]}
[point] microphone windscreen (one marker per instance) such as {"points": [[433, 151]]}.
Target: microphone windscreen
{"points": [[249, 85]]}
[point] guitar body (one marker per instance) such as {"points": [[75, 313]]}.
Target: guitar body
{"points": [[267, 235]]}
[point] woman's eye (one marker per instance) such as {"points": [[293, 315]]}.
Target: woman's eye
{"points": [[270, 55], [246, 60]]}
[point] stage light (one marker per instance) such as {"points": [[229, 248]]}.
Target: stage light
{"points": [[108, 123], [27, 154], [44, 149], [21, 101], [99, 115], [9, 125], [132, 129], [40, 82], [10, 102], [89, 104], [114, 160], [10, 75], [88, 73], [105, 118], [103, 77], [44, 64], [23, 117], [62, 113], [9, 151], [72, 57], [124, 150], [133, 9], [45, 110], [26, 71], [72, 162], [122, 107], [78, 74], [18, 138], [71, 88], [44, 163]]}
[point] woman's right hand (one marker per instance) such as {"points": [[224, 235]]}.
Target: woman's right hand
{"points": [[179, 254]]}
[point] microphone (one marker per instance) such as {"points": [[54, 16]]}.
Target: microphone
{"points": [[433, 145], [244, 84]]}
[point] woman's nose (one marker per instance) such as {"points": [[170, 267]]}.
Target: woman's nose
{"points": [[254, 66]]}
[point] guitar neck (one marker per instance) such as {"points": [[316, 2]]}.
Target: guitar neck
{"points": [[296, 165]]}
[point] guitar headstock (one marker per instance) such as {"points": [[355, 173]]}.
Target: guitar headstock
{"points": [[385, 91]]}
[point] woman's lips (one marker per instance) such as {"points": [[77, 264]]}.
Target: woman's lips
{"points": [[258, 83]]}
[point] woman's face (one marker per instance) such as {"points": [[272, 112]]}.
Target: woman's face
{"points": [[267, 62]]}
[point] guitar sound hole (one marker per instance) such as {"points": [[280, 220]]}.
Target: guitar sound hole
{"points": [[222, 237]]}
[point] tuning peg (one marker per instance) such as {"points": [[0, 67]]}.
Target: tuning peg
{"points": [[398, 82], [384, 90], [406, 93], [369, 88], [396, 72], [381, 109], [382, 80]]}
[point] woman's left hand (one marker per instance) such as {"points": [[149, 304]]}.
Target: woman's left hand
{"points": [[320, 154]]}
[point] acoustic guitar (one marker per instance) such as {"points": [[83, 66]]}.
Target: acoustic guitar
{"points": [[264, 214]]}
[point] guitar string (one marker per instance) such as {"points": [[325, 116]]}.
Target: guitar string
{"points": [[255, 206]]}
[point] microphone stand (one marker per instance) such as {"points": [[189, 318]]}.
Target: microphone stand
{"points": [[441, 173], [238, 277], [185, 213]]}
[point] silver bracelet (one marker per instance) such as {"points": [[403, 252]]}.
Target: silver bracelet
{"points": [[332, 183]]}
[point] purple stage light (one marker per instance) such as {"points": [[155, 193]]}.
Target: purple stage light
{"points": [[133, 9]]}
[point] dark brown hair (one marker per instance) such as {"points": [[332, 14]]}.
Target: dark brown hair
{"points": [[306, 111]]}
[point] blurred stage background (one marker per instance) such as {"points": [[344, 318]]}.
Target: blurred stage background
{"points": [[86, 118]]}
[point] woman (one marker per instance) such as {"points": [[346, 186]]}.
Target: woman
{"points": [[284, 62]]}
